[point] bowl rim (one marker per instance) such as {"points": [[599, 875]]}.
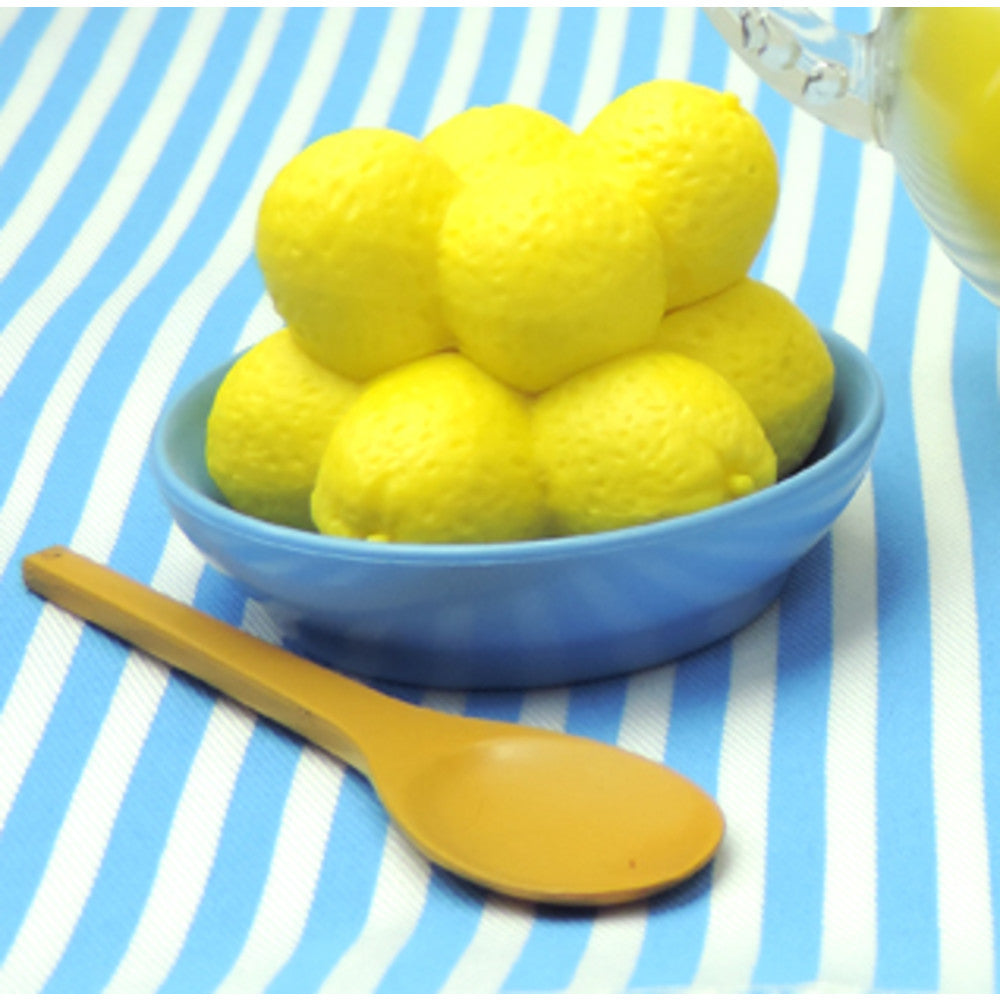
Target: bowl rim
{"points": [[210, 510]]}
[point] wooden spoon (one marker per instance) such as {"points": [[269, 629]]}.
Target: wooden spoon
{"points": [[534, 814]]}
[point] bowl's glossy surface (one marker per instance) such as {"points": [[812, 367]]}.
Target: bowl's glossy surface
{"points": [[527, 613]]}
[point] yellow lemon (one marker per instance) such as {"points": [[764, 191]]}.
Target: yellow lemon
{"points": [[346, 238], [433, 451], [647, 436], [704, 168], [268, 427], [949, 81], [769, 350], [482, 139], [546, 270]]}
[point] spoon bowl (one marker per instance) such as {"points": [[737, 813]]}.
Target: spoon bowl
{"points": [[499, 810], [534, 814]]}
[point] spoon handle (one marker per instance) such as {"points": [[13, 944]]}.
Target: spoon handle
{"points": [[321, 705]]}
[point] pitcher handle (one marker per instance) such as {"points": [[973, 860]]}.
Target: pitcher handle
{"points": [[815, 65]]}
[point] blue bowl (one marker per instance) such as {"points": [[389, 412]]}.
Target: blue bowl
{"points": [[525, 614]]}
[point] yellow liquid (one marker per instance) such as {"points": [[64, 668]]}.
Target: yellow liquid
{"points": [[944, 128]]}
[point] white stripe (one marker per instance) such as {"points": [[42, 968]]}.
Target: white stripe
{"points": [[499, 940], [534, 56], [79, 847], [69, 149], [855, 313], [732, 938], [394, 56], [965, 917], [8, 18], [646, 717], [39, 71], [600, 76], [677, 44], [850, 919], [466, 52], [288, 893], [29, 702], [188, 855], [262, 321], [786, 256], [617, 936], [117, 198], [396, 904]]}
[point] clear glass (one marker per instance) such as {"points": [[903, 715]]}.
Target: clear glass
{"points": [[924, 84]]}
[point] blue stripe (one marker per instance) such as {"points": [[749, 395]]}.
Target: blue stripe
{"points": [[907, 903], [569, 62], [642, 47], [553, 950], [424, 70], [447, 924], [353, 73], [499, 59], [826, 261], [710, 56], [796, 821], [595, 709], [505, 706]]}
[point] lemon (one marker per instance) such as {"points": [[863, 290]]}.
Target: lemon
{"points": [[546, 270], [433, 451], [704, 168], [647, 436], [949, 74], [482, 139], [769, 350], [268, 426], [346, 237]]}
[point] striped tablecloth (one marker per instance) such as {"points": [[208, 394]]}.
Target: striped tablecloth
{"points": [[155, 838]]}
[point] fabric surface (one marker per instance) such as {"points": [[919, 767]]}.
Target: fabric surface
{"points": [[153, 837]]}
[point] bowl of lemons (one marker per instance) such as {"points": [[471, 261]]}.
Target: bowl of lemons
{"points": [[529, 421]]}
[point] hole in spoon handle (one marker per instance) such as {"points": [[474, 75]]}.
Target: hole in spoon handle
{"points": [[299, 695]]}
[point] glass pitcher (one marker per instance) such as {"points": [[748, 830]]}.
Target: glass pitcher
{"points": [[924, 84]]}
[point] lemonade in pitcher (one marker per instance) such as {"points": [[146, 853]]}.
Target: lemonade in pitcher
{"points": [[944, 129], [925, 84]]}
